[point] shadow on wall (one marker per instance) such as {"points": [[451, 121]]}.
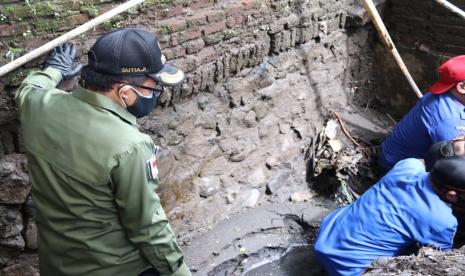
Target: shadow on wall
{"points": [[395, 96]]}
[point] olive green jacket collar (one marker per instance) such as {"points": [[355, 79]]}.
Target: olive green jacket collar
{"points": [[96, 99]]}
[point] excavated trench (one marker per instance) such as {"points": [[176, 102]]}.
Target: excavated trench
{"points": [[236, 179], [238, 184]]}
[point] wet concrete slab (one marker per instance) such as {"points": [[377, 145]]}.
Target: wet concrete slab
{"points": [[257, 236]]}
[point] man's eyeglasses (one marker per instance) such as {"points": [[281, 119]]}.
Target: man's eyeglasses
{"points": [[157, 90], [455, 147]]}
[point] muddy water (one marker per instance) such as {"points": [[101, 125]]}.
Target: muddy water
{"points": [[296, 261]]}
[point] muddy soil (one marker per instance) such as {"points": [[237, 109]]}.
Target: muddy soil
{"points": [[427, 262]]}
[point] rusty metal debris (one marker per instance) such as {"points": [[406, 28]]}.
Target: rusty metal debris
{"points": [[338, 164]]}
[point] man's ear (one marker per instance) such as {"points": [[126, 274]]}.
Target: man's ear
{"points": [[122, 90], [461, 87], [451, 196]]}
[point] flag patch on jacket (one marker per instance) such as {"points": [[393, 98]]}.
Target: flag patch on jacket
{"points": [[152, 168]]}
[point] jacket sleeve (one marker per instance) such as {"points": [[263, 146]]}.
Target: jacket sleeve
{"points": [[141, 213], [36, 82]]}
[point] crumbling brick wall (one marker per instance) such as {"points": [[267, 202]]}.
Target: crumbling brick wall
{"points": [[210, 40]]}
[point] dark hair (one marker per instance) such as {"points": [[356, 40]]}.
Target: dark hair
{"points": [[100, 82]]}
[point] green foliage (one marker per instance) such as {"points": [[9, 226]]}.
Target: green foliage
{"points": [[165, 30], [14, 53], [16, 77]]}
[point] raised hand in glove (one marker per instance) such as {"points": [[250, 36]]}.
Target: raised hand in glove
{"points": [[62, 58]]}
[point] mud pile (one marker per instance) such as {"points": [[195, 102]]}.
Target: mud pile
{"points": [[427, 262]]}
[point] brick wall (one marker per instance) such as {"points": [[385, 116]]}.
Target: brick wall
{"points": [[209, 39]]}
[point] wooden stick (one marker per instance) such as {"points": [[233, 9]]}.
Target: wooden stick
{"points": [[367, 153], [451, 7], [67, 36], [378, 22]]}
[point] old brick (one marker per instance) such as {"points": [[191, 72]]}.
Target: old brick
{"points": [[200, 4], [174, 52], [233, 64], [189, 34], [234, 19], [294, 37], [250, 4], [292, 21], [276, 41], [187, 88], [276, 28], [214, 27], [226, 66], [211, 77], [230, 33], [241, 6], [197, 19], [173, 40], [207, 55], [11, 30], [173, 11], [213, 38], [194, 46], [251, 57], [172, 25], [241, 59], [79, 19], [204, 79], [187, 63], [165, 41], [219, 74], [215, 16]]}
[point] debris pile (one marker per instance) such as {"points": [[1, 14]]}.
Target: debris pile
{"points": [[338, 165]]}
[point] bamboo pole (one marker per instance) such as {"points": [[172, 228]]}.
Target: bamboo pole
{"points": [[451, 7], [378, 22], [68, 36]]}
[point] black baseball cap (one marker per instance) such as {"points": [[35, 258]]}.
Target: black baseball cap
{"points": [[449, 172], [133, 52], [437, 151]]}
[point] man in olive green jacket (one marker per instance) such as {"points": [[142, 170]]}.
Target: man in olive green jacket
{"points": [[93, 173]]}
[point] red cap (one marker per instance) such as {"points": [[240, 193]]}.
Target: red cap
{"points": [[452, 72]]}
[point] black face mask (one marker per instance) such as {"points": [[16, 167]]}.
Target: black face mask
{"points": [[143, 104]]}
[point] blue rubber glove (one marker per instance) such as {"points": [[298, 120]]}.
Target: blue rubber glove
{"points": [[62, 58]]}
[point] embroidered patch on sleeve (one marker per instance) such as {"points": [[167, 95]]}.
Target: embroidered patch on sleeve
{"points": [[152, 168]]}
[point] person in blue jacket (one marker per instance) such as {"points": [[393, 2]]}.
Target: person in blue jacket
{"points": [[439, 115], [408, 206]]}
